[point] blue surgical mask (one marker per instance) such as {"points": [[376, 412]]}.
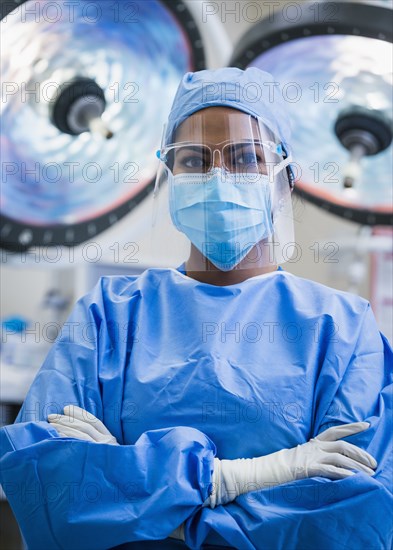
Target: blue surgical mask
{"points": [[223, 215]]}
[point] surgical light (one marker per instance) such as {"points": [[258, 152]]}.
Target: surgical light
{"points": [[86, 89], [334, 63]]}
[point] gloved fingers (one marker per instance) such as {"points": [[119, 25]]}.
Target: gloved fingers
{"points": [[338, 432], [334, 472], [77, 425], [352, 451], [81, 414], [77, 422], [66, 431], [341, 461]]}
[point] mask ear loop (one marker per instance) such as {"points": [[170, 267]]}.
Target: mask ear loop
{"points": [[279, 167], [280, 149], [290, 172], [285, 163]]}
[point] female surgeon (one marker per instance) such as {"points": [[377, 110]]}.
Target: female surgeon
{"points": [[223, 404]]}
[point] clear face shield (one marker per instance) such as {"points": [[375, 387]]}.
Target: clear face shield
{"points": [[223, 185]]}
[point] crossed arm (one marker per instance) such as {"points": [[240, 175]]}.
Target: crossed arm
{"points": [[73, 493]]}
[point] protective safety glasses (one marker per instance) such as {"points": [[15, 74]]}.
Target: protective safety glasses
{"points": [[236, 157], [222, 138]]}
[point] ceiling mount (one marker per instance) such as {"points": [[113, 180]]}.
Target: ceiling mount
{"points": [[78, 108]]}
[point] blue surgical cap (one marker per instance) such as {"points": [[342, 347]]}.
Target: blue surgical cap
{"points": [[252, 91]]}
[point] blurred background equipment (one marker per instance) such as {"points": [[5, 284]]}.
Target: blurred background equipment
{"points": [[382, 279], [334, 62], [86, 90]]}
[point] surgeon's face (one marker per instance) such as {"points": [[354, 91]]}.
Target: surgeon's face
{"points": [[215, 127]]}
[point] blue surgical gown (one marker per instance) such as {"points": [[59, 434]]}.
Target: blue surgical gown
{"points": [[181, 371]]}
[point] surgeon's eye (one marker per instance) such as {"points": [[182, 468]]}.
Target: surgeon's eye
{"points": [[190, 160], [245, 156], [193, 162]]}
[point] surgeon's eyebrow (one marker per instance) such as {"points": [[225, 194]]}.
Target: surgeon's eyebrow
{"points": [[238, 144], [194, 148]]}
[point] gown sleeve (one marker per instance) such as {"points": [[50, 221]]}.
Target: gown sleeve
{"points": [[347, 514], [67, 493]]}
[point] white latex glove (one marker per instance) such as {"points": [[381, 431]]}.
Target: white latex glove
{"points": [[323, 456], [80, 424]]}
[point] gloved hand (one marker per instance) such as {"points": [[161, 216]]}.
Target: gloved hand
{"points": [[80, 424], [323, 456]]}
